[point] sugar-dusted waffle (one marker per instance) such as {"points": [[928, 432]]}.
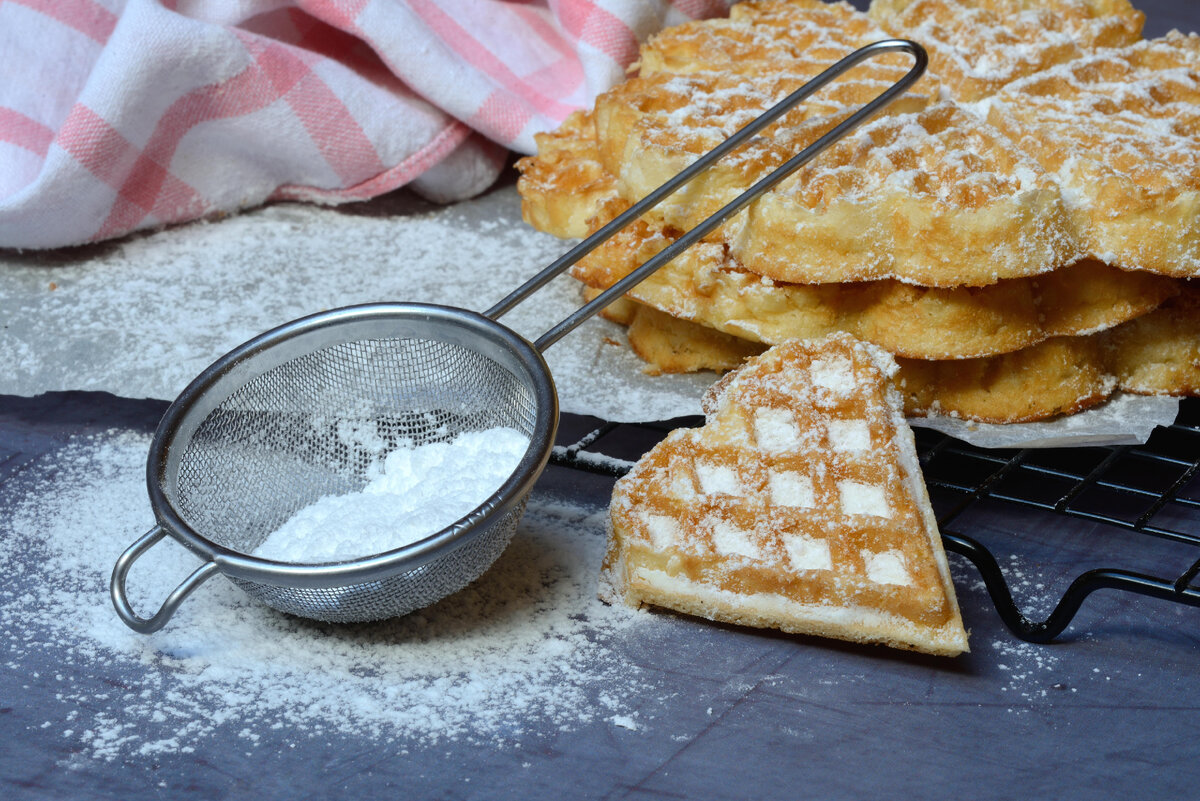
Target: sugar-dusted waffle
{"points": [[566, 185], [978, 46], [935, 198], [1091, 148], [799, 505], [652, 127], [759, 34], [1118, 132]]}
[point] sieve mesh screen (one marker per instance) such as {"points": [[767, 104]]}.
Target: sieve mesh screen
{"points": [[314, 426]]}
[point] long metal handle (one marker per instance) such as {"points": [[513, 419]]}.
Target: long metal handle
{"points": [[120, 599], [920, 60]]}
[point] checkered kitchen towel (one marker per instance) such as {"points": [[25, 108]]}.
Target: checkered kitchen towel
{"points": [[118, 115]]}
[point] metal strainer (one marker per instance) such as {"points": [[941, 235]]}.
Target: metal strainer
{"points": [[302, 412]]}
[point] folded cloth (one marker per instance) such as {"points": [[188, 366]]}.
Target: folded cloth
{"points": [[119, 115]]}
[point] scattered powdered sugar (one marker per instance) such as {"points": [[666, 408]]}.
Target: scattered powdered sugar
{"points": [[626, 721], [601, 461], [417, 491], [1029, 669], [142, 316], [525, 649]]}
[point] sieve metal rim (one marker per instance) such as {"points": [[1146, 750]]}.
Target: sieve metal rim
{"points": [[279, 345]]}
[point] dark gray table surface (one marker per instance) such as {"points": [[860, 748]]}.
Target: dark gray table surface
{"points": [[1105, 712], [726, 712]]}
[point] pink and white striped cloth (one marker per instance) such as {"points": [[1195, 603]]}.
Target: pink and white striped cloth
{"points": [[120, 115]]}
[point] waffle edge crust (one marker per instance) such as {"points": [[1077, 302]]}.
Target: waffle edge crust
{"points": [[799, 505]]}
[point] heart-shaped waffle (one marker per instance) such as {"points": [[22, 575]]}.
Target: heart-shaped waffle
{"points": [[799, 505]]}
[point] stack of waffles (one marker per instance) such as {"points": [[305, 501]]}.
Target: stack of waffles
{"points": [[799, 505], [1019, 229]]}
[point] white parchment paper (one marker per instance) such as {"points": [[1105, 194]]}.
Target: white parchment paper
{"points": [[142, 316]]}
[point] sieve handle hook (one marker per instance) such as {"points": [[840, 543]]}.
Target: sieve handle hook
{"points": [[560, 265], [120, 599]]}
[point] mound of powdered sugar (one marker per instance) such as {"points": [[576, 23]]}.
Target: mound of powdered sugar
{"points": [[526, 648], [416, 491]]}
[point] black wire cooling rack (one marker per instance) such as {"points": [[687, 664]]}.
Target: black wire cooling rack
{"points": [[1150, 490]]}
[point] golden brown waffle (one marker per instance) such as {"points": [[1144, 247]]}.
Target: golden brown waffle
{"points": [[1160, 353], [936, 198], [701, 82], [1118, 132], [806, 31], [707, 285], [978, 46], [799, 505], [671, 345], [650, 128], [1156, 354], [1057, 377], [566, 184], [931, 195]]}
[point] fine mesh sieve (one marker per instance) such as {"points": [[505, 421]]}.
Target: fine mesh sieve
{"points": [[304, 411]]}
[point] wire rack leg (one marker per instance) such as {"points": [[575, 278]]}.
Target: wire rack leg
{"points": [[1048, 630]]}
